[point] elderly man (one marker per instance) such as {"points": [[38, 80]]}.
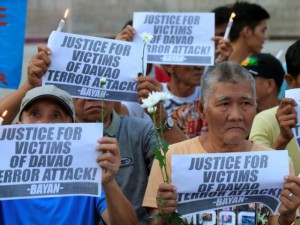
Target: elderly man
{"points": [[228, 106], [49, 104]]}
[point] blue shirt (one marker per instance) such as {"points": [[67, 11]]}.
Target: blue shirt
{"points": [[75, 210]]}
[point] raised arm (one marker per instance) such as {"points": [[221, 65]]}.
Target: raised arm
{"points": [[223, 49], [119, 210], [37, 67], [286, 117]]}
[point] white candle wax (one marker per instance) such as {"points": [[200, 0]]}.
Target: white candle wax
{"points": [[1, 120], [60, 25], [229, 25], [228, 28]]}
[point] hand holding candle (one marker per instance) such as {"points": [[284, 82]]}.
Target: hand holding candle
{"points": [[229, 25], [2, 117], [62, 21]]}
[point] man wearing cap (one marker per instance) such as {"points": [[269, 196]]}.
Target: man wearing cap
{"points": [[134, 135], [49, 104], [268, 74]]}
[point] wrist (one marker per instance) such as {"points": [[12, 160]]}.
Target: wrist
{"points": [[285, 220], [281, 142], [167, 124], [108, 183]]}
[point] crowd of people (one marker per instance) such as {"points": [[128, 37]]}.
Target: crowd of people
{"points": [[232, 106]]}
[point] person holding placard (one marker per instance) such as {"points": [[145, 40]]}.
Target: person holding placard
{"points": [[247, 33], [273, 127], [184, 86], [134, 135], [49, 104], [228, 106]]}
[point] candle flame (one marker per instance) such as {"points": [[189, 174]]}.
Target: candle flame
{"points": [[232, 15], [66, 13], [4, 113]]}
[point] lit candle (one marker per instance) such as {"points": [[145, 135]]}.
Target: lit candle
{"points": [[1, 117], [229, 25], [62, 21]]}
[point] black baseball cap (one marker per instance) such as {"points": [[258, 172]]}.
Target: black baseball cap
{"points": [[265, 65]]}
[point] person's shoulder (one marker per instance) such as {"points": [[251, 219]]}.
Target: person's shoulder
{"points": [[266, 117], [187, 146], [136, 122], [268, 112]]}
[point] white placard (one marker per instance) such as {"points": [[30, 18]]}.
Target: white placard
{"points": [[295, 94], [48, 160], [212, 181], [79, 62], [179, 38]]}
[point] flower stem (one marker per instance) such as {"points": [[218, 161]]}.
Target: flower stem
{"points": [[166, 180], [143, 69]]}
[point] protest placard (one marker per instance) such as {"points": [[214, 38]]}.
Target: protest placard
{"points": [[47, 160], [79, 62], [295, 94], [222, 180], [178, 38]]}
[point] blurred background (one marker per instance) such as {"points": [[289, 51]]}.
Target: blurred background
{"points": [[106, 18]]}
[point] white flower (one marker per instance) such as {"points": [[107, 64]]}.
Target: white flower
{"points": [[102, 81], [151, 110], [164, 96], [154, 98], [146, 37], [151, 101]]}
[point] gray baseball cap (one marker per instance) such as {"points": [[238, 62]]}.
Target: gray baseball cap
{"points": [[48, 92]]}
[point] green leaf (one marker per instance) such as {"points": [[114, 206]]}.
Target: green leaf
{"points": [[170, 219], [159, 157], [165, 146], [155, 216]]}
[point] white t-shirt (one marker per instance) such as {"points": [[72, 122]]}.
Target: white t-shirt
{"points": [[176, 101]]}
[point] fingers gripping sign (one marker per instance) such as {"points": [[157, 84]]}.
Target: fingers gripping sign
{"points": [[110, 159], [290, 199]]}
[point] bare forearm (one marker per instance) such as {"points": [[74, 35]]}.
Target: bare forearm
{"points": [[280, 143], [174, 135], [120, 210], [284, 220], [12, 102]]}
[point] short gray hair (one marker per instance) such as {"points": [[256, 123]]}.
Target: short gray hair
{"points": [[224, 72]]}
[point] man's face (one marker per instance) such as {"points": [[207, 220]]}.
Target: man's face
{"points": [[188, 75], [45, 111], [91, 110], [229, 111], [220, 29], [258, 37], [262, 91]]}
